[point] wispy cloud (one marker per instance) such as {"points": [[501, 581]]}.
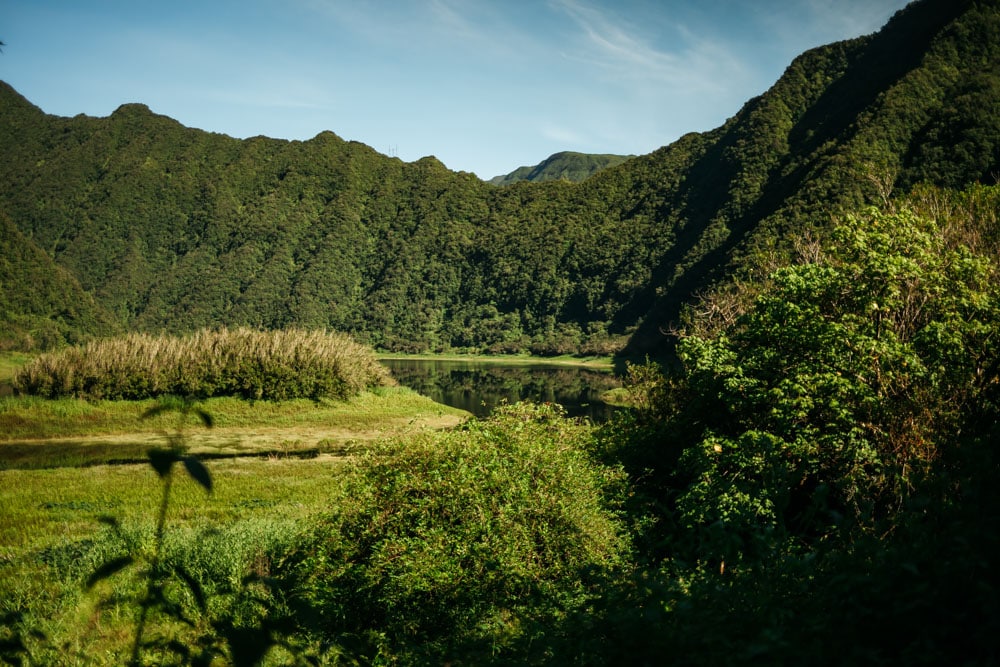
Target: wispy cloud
{"points": [[485, 85], [423, 28], [448, 17], [682, 59], [611, 40], [561, 134], [813, 22]]}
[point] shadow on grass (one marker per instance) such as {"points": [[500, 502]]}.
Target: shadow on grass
{"points": [[58, 454]]}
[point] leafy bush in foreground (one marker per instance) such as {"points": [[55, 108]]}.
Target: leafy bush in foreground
{"points": [[835, 394], [450, 544], [274, 365]]}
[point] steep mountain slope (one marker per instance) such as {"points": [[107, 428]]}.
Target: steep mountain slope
{"points": [[844, 126], [42, 304], [567, 165], [171, 228]]}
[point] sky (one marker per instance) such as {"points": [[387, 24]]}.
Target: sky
{"points": [[485, 86]]}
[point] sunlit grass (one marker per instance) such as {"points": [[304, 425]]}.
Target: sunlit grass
{"points": [[53, 506], [51, 534], [11, 362], [37, 432], [279, 462], [54, 493]]}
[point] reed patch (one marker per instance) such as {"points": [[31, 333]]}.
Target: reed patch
{"points": [[271, 365]]}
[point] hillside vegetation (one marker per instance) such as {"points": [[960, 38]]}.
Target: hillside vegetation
{"points": [[41, 304], [174, 229]]}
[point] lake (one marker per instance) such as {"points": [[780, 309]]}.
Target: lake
{"points": [[479, 386]]}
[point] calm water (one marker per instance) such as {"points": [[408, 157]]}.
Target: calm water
{"points": [[479, 386]]}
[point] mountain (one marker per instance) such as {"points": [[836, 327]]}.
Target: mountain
{"points": [[567, 165], [171, 228]]}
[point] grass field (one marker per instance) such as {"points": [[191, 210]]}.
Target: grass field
{"points": [[72, 432], [54, 454], [53, 535], [68, 465]]}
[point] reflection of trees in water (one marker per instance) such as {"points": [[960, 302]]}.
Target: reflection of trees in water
{"points": [[478, 388]]}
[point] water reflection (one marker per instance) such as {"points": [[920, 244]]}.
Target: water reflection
{"points": [[480, 386]]}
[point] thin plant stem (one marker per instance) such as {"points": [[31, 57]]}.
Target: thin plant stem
{"points": [[154, 574]]}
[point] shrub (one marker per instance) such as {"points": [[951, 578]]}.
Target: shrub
{"points": [[273, 365], [825, 403], [451, 542]]}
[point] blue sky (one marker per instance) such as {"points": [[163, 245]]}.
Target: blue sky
{"points": [[483, 85]]}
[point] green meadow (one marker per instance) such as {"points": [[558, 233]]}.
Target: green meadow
{"points": [[71, 466]]}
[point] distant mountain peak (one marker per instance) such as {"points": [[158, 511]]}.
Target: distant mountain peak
{"points": [[132, 108], [565, 165]]}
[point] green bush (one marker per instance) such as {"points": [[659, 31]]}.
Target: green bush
{"points": [[451, 543], [273, 365], [836, 392]]}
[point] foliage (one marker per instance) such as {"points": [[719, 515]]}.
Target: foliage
{"points": [[225, 542], [820, 469], [172, 229], [821, 407], [924, 596], [241, 637], [818, 476], [42, 306], [163, 462], [446, 545], [275, 365]]}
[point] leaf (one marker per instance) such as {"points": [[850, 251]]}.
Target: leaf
{"points": [[198, 472], [166, 404], [206, 418], [108, 569], [110, 521], [194, 586], [247, 645], [162, 460]]}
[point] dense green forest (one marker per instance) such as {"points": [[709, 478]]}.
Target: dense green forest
{"points": [[42, 304], [172, 229]]}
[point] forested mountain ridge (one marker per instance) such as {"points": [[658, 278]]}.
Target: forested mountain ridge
{"points": [[171, 228], [41, 303], [567, 165]]}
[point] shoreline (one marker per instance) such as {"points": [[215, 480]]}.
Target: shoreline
{"points": [[605, 363]]}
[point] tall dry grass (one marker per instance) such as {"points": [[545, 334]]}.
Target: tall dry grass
{"points": [[273, 365]]}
